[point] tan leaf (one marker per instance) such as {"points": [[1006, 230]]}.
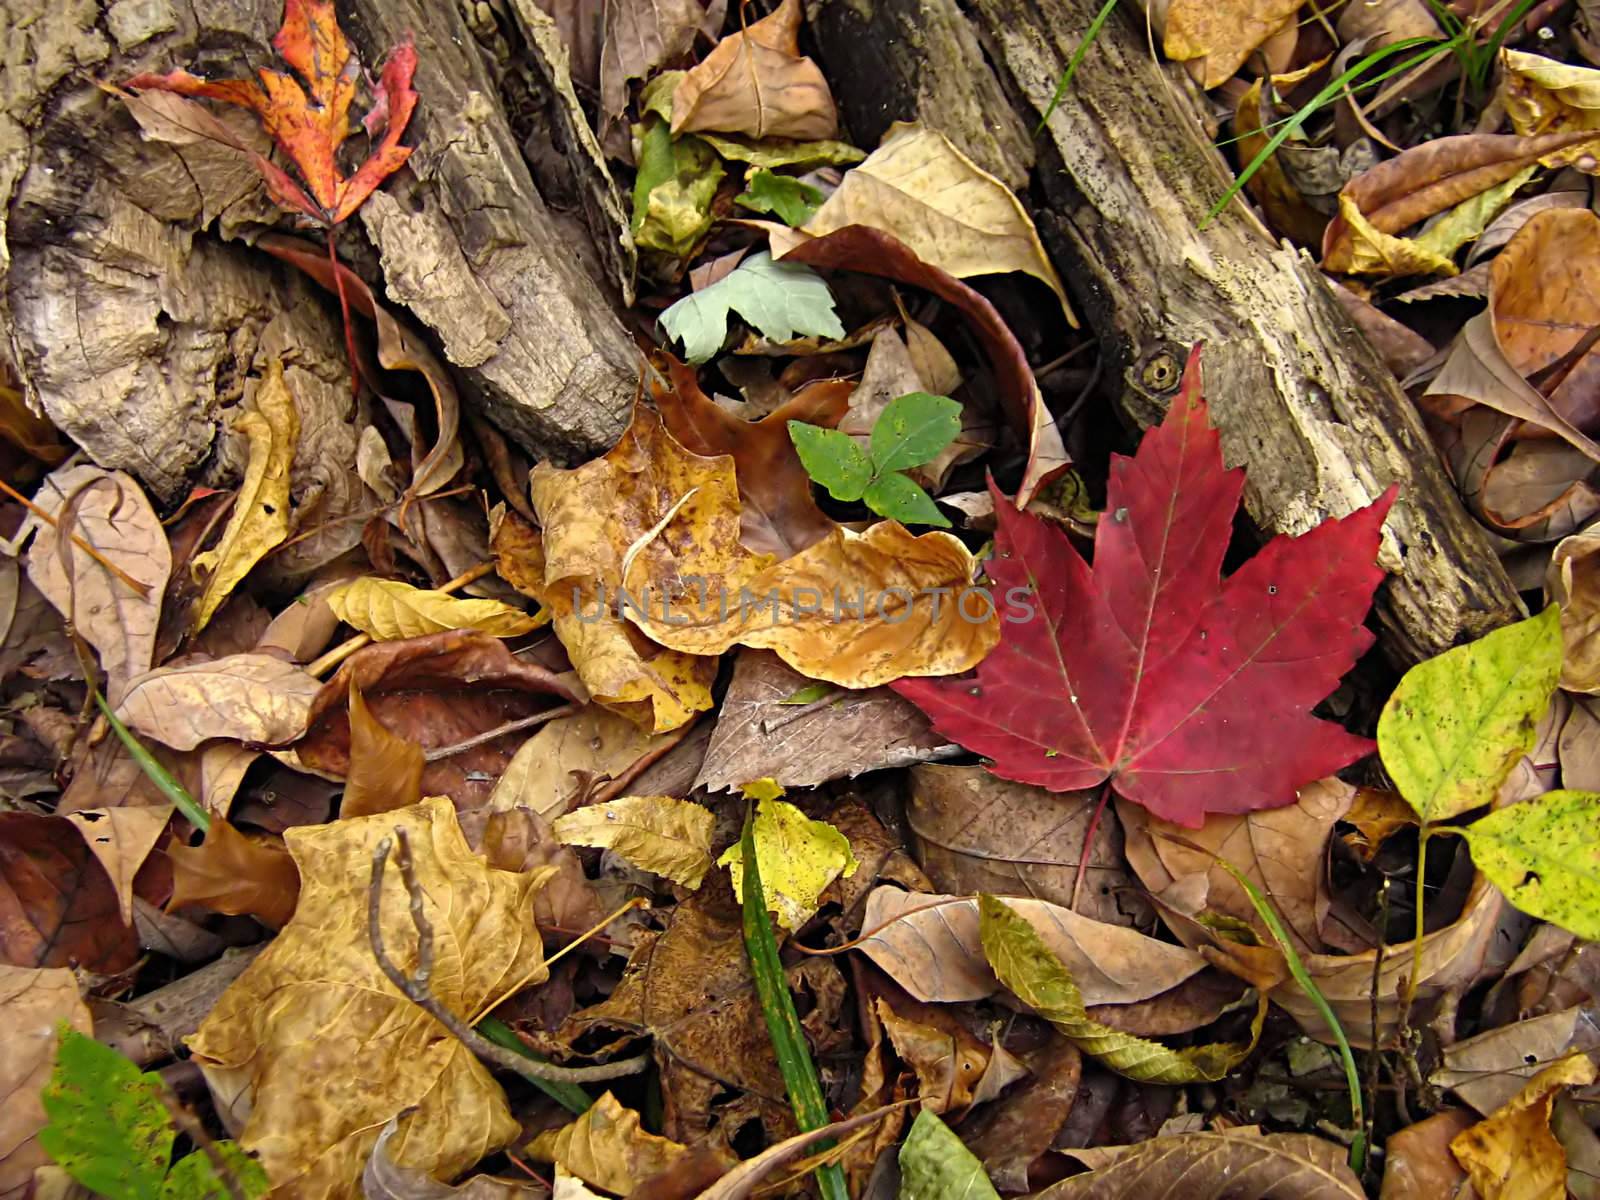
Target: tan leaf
{"points": [[1405, 190], [757, 82], [329, 1050], [518, 840], [122, 839], [231, 873], [382, 1179], [950, 212], [1488, 1070], [385, 769], [936, 954], [1280, 850], [607, 1147], [260, 517], [952, 1065], [1573, 581], [108, 510], [1513, 1155], [247, 697], [388, 610], [1222, 35], [550, 768], [306, 626], [33, 1003], [975, 832], [1213, 1166], [655, 833], [1542, 95], [1417, 1164]]}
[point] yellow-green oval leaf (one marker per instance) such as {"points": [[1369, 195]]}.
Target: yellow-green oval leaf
{"points": [[1458, 723], [798, 856], [1544, 856], [387, 610], [935, 1164], [663, 834], [1021, 961]]}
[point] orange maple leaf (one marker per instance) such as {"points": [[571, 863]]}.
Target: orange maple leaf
{"points": [[309, 124]]}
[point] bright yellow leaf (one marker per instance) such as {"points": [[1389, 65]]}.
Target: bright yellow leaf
{"points": [[663, 834], [798, 858], [388, 610]]}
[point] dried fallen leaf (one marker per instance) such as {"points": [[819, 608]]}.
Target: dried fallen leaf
{"points": [[1573, 581], [556, 763], [1488, 1070], [109, 511], [607, 1147], [310, 128], [385, 769], [1402, 191], [437, 691], [388, 610], [639, 36], [1222, 35], [946, 209], [778, 512], [936, 954], [1241, 1161], [592, 517], [383, 1179], [260, 516], [1281, 851], [1542, 95], [1417, 1164], [757, 82], [954, 1069], [874, 252], [231, 873], [253, 698], [654, 833], [58, 907], [122, 839], [1513, 1155], [973, 832], [762, 732], [327, 1050], [799, 857], [34, 1003]]}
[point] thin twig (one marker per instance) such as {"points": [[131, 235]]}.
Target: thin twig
{"points": [[191, 1125], [489, 735], [416, 987]]}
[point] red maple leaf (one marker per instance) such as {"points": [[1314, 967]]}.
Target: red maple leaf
{"points": [[309, 124], [1189, 693]]}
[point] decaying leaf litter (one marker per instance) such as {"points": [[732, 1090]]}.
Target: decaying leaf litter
{"points": [[732, 810]]}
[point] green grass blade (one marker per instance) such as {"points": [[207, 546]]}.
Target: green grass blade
{"points": [[1297, 968], [1075, 61], [154, 771], [569, 1095], [1294, 124], [783, 1023]]}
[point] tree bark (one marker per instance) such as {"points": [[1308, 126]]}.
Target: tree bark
{"points": [[1121, 180], [137, 317]]}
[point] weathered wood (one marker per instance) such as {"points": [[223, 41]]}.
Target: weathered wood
{"points": [[1122, 185], [137, 317]]}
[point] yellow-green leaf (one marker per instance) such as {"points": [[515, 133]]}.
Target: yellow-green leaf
{"points": [[260, 518], [1458, 723], [1543, 855], [387, 610], [935, 1164], [798, 856], [1023, 963], [663, 834]]}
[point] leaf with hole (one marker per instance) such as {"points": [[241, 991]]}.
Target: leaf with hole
{"points": [[1542, 854]]}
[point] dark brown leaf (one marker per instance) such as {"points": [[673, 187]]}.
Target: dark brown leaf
{"points": [[57, 905], [436, 691], [1214, 1166], [1011, 1133]]}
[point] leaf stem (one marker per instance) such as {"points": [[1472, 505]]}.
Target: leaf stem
{"points": [[1088, 843], [1424, 831], [783, 1023]]}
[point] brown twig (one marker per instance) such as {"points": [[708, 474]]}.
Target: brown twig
{"points": [[417, 987], [489, 735]]}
